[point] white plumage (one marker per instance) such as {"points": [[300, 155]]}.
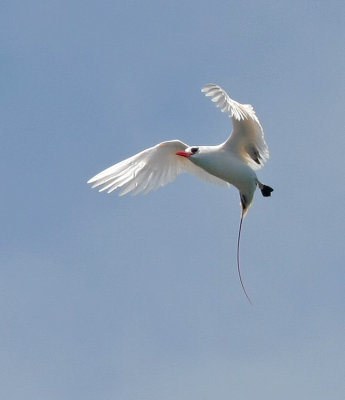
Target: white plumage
{"points": [[149, 169], [232, 162]]}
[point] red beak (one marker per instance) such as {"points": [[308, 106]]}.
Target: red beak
{"points": [[184, 154]]}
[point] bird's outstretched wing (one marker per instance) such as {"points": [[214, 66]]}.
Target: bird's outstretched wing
{"points": [[149, 169], [247, 137]]}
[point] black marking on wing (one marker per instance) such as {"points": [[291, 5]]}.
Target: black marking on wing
{"points": [[254, 154]]}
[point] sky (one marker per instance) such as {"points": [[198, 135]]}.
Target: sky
{"points": [[137, 297]]}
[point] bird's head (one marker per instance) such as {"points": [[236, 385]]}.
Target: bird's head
{"points": [[188, 152]]}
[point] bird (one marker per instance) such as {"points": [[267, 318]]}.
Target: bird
{"points": [[232, 162]]}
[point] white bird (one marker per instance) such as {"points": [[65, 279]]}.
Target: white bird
{"points": [[232, 162]]}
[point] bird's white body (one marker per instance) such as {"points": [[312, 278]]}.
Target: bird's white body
{"points": [[232, 162], [224, 164]]}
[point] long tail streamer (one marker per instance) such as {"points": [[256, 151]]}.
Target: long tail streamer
{"points": [[238, 259]]}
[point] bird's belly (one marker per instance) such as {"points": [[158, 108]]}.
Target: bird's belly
{"points": [[231, 170]]}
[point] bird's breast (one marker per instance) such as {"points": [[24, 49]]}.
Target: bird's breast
{"points": [[227, 166]]}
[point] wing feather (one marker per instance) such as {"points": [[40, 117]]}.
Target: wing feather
{"points": [[247, 137], [149, 169]]}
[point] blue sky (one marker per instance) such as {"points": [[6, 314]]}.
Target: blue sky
{"points": [[134, 298]]}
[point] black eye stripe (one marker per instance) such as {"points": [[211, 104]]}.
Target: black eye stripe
{"points": [[194, 150]]}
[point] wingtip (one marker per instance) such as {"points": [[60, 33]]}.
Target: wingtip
{"points": [[93, 179], [206, 87]]}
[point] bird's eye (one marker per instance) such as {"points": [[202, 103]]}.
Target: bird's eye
{"points": [[194, 150]]}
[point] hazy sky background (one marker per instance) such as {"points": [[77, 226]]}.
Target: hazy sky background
{"points": [[137, 298]]}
